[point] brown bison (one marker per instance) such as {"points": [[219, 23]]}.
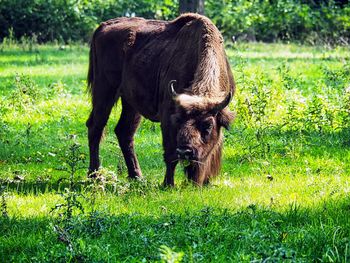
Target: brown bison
{"points": [[175, 73]]}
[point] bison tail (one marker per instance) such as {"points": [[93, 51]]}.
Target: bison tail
{"points": [[90, 76], [92, 64]]}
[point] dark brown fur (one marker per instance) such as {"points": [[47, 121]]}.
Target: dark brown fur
{"points": [[135, 59]]}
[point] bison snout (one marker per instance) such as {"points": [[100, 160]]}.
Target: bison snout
{"points": [[185, 153]]}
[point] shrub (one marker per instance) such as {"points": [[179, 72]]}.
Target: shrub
{"points": [[272, 20], [73, 20], [313, 22]]}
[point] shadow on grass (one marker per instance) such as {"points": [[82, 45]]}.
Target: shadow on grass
{"points": [[45, 50], [315, 141], [278, 60], [36, 187], [74, 82], [207, 234], [40, 60]]}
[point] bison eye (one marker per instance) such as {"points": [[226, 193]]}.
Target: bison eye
{"points": [[206, 127]]}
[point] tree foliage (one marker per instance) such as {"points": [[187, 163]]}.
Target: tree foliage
{"points": [[271, 20], [73, 19], [263, 20]]}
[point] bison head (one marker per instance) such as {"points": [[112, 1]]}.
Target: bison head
{"points": [[198, 122]]}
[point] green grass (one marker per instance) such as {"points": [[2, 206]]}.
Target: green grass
{"points": [[282, 195]]}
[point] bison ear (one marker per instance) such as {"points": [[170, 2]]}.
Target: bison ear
{"points": [[225, 118]]}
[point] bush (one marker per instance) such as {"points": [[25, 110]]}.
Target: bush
{"points": [[67, 20], [272, 20], [314, 22]]}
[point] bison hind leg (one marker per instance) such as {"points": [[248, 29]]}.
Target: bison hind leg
{"points": [[96, 124], [125, 131], [104, 96]]}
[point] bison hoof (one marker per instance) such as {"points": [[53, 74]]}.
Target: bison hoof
{"points": [[168, 184], [93, 174], [135, 177]]}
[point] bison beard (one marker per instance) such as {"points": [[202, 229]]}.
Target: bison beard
{"points": [[175, 73], [201, 172]]}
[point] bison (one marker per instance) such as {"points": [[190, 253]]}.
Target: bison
{"points": [[172, 72]]}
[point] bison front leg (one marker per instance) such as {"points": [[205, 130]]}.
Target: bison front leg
{"points": [[169, 175], [170, 157], [125, 130]]}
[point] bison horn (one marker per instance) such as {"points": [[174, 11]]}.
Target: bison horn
{"points": [[171, 87], [220, 106]]}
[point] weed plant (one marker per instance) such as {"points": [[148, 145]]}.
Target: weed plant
{"points": [[4, 212]]}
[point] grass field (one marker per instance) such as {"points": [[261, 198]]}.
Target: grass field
{"points": [[283, 193]]}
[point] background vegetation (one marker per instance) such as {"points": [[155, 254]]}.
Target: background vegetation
{"points": [[283, 193], [263, 20]]}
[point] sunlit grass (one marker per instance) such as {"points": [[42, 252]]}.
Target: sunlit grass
{"points": [[234, 194], [283, 194]]}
